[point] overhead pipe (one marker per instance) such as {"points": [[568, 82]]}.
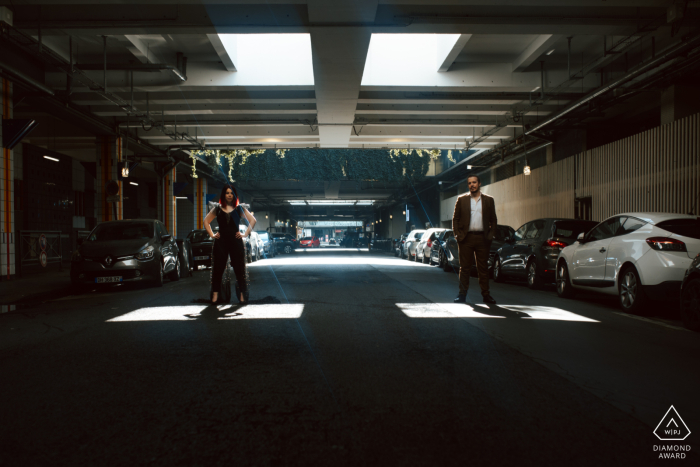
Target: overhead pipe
{"points": [[141, 67], [668, 55], [16, 74]]}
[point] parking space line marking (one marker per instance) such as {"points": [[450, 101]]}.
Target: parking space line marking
{"points": [[652, 321]]}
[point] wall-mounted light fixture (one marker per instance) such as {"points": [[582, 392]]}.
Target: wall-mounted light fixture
{"points": [[51, 158], [391, 216], [125, 170], [526, 169], [134, 183]]}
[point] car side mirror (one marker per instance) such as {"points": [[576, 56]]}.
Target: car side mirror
{"points": [[581, 238], [165, 238]]}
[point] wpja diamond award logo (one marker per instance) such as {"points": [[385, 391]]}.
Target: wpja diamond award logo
{"points": [[672, 428]]}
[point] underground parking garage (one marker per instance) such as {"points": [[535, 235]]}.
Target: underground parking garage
{"points": [[458, 232]]}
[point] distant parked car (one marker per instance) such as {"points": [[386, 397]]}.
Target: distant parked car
{"points": [[126, 251], [202, 245], [532, 252], [309, 242], [409, 248], [447, 253], [268, 245], [284, 243], [690, 296], [398, 245], [426, 244], [253, 245], [331, 241], [637, 256]]}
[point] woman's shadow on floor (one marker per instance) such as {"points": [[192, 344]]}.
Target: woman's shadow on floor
{"points": [[231, 309]]}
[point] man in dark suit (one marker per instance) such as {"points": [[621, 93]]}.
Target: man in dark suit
{"points": [[474, 225]]}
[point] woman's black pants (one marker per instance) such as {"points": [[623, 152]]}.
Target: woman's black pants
{"points": [[222, 250]]}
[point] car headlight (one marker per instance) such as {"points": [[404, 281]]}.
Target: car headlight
{"points": [[146, 253], [77, 257]]}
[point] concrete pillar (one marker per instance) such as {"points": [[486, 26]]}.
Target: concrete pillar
{"points": [[7, 188], [169, 203], [679, 101], [109, 157], [200, 202]]}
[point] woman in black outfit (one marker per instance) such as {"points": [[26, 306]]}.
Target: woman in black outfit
{"points": [[228, 241]]}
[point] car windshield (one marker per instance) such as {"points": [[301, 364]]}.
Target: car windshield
{"points": [[572, 229], [122, 231], [685, 227], [264, 236], [307, 238], [198, 236], [418, 235]]}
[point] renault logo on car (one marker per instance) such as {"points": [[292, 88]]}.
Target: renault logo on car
{"points": [[108, 261]]}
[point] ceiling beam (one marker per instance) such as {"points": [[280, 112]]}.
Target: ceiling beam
{"points": [[139, 48], [534, 51], [227, 60], [453, 52], [339, 57]]}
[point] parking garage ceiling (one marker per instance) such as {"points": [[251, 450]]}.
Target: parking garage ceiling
{"points": [[324, 73]]}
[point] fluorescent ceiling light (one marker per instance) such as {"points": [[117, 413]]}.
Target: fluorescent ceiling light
{"points": [[134, 183], [535, 89], [269, 59], [181, 197], [550, 52], [332, 202], [51, 158]]}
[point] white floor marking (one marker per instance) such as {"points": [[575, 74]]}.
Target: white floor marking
{"points": [[652, 321]]}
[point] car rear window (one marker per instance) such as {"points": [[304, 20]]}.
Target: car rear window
{"points": [[122, 231], [685, 227], [198, 236], [419, 235], [571, 229]]}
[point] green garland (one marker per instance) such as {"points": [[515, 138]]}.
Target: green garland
{"points": [[322, 164]]}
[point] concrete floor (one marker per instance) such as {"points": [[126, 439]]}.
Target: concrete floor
{"points": [[342, 358]]}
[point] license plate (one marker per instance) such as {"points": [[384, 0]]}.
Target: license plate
{"points": [[201, 258], [108, 280]]}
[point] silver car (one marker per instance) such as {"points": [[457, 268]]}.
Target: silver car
{"points": [[409, 248], [426, 244]]}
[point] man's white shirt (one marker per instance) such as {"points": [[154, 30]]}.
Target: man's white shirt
{"points": [[476, 221]]}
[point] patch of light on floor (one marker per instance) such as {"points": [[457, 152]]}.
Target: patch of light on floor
{"points": [[441, 310], [193, 312], [317, 260], [460, 310]]}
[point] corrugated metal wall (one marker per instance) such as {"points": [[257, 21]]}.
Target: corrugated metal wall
{"points": [[658, 170]]}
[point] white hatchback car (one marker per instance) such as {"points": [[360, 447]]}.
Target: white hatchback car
{"points": [[635, 255]]}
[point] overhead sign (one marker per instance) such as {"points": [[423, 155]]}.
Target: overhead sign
{"points": [[322, 224]]}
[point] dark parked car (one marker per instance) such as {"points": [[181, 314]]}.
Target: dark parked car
{"points": [[186, 256], [284, 243], [446, 255], [126, 251], [690, 296], [531, 252], [201, 247], [398, 248]]}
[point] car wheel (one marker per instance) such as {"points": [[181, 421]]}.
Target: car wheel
{"points": [[534, 281], [446, 266], [631, 291], [498, 272], [159, 277], [175, 274], [690, 305], [564, 288], [288, 249]]}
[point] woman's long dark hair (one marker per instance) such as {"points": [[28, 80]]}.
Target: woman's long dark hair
{"points": [[222, 198]]}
